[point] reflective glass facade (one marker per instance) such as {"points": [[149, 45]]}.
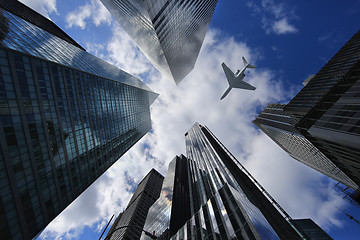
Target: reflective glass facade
{"points": [[328, 109], [146, 193], [28, 38], [310, 229], [65, 118], [218, 199], [169, 32], [280, 127], [326, 79]]}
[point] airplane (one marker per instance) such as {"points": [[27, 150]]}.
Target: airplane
{"points": [[236, 80]]}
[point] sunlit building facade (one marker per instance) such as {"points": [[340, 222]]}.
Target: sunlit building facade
{"points": [[146, 193], [280, 127], [169, 33], [65, 118], [209, 195]]}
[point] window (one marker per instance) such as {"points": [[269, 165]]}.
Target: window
{"points": [[11, 140]]}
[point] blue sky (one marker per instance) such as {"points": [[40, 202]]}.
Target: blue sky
{"points": [[286, 40]]}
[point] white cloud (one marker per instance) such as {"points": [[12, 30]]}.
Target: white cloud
{"points": [[93, 10], [78, 17], [44, 7], [101, 14], [275, 16], [96, 49], [196, 99], [283, 27], [123, 53]]}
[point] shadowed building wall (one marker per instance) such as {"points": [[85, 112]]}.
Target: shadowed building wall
{"points": [[146, 193], [310, 229], [328, 109]]}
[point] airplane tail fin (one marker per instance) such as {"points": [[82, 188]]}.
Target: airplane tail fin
{"points": [[246, 64], [250, 66]]}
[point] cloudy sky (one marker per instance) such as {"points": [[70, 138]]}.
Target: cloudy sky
{"points": [[287, 41]]}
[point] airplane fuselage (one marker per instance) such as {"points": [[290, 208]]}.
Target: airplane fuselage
{"points": [[238, 76], [235, 80], [240, 73]]}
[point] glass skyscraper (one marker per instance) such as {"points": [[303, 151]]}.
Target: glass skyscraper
{"points": [[174, 200], [146, 193], [280, 127], [328, 109], [169, 32], [65, 118], [320, 126], [311, 229], [210, 195]]}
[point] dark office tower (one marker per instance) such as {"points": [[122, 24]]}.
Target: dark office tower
{"points": [[310, 229], [174, 201], [280, 127], [146, 193], [169, 33], [219, 198], [65, 118], [328, 109]]}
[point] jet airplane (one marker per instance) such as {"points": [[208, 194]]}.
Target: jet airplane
{"points": [[236, 80]]}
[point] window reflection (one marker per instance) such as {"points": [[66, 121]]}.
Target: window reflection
{"points": [[66, 116]]}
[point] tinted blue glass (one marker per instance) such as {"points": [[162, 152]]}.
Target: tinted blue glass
{"points": [[65, 117], [28, 38]]}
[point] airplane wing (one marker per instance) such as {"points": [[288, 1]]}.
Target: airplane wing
{"points": [[228, 73], [243, 85]]}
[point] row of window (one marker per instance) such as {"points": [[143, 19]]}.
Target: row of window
{"points": [[46, 118]]}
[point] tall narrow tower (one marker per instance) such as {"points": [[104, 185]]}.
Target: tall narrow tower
{"points": [[65, 118], [169, 33], [146, 193], [210, 195], [174, 201]]}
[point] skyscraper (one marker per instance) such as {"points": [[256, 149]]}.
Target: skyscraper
{"points": [[169, 33], [210, 195], [280, 127], [174, 200], [327, 110], [146, 193], [310, 229], [65, 118]]}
